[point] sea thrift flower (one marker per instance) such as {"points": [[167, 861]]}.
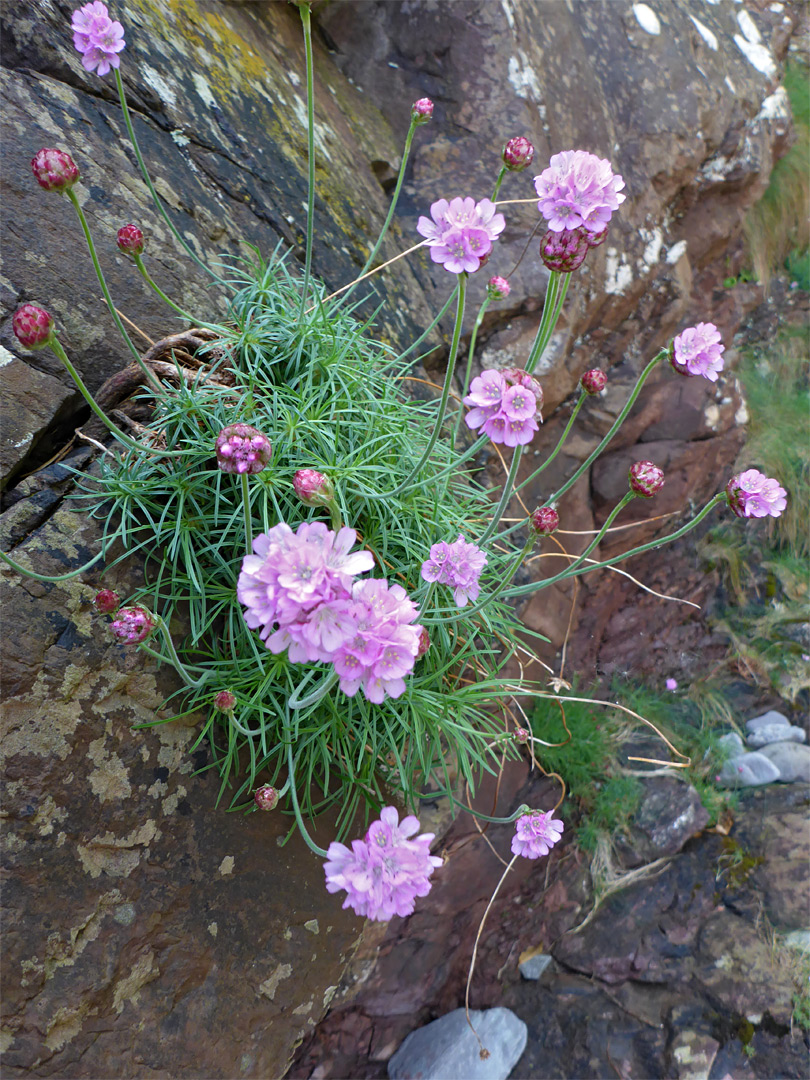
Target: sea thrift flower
{"points": [[106, 602], [422, 110], [54, 170], [225, 701], [130, 240], [504, 412], [672, 684], [32, 326], [518, 154], [458, 565], [384, 873], [266, 798], [593, 381], [564, 251], [545, 520], [313, 488], [576, 189], [241, 449], [498, 288], [522, 735], [536, 834], [698, 351], [752, 494], [645, 478], [461, 232], [133, 624], [97, 37]]}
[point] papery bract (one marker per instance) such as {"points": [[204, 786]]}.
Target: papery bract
{"points": [[545, 520], [564, 251], [106, 601], [130, 240], [536, 834], [593, 381], [266, 797], [517, 154]]}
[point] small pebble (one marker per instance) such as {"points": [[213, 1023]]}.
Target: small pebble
{"points": [[534, 966], [731, 741]]}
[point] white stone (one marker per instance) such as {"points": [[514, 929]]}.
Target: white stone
{"points": [[774, 733], [792, 759], [534, 967], [647, 19], [770, 717], [747, 770], [448, 1050]]}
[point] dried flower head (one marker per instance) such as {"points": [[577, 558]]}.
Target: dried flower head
{"points": [[422, 110], [313, 488], [242, 449], [522, 735], [54, 170], [645, 478], [130, 240], [698, 351], [578, 189], [133, 624], [593, 381], [97, 37], [33, 326], [545, 520], [266, 797], [536, 834], [753, 494], [106, 602], [517, 154], [424, 643], [498, 288]]}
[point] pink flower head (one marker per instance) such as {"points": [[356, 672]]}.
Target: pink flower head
{"points": [[97, 37], [384, 873], [133, 625], [522, 735], [498, 288], [593, 381], [266, 797], [106, 602], [225, 701], [313, 488], [578, 189], [54, 170], [504, 412], [517, 154], [422, 110], [545, 520], [458, 565], [536, 834], [752, 494], [564, 251], [241, 449], [460, 232], [645, 479], [32, 326], [672, 684], [698, 351], [130, 240]]}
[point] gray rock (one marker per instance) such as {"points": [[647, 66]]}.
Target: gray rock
{"points": [[533, 967], [799, 940], [448, 1050], [770, 717], [747, 770], [731, 741], [773, 733], [792, 759], [670, 814]]}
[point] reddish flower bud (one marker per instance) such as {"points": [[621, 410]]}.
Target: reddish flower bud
{"points": [[424, 643], [645, 478], [32, 326], [242, 449], [518, 154], [522, 735], [133, 625], [594, 239], [422, 110], [564, 251], [313, 488], [54, 170], [498, 288], [545, 520], [520, 377], [593, 381], [266, 798], [130, 240], [225, 701], [106, 602]]}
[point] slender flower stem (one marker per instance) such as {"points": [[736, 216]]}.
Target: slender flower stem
{"points": [[559, 445], [555, 296], [391, 210], [466, 384], [247, 513], [521, 810], [498, 183], [297, 809], [297, 702], [155, 197], [522, 590], [306, 22], [505, 497], [174, 659], [57, 577], [145, 275], [586, 464], [424, 334]]}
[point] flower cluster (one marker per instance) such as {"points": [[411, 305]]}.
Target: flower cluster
{"points": [[133, 625], [458, 565], [536, 834], [504, 405], [384, 873], [698, 351], [54, 170], [299, 591], [241, 448], [461, 232], [97, 37], [752, 494], [578, 189]]}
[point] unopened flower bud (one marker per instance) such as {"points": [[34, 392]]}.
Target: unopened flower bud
{"points": [[645, 478], [424, 643], [313, 488], [33, 326], [498, 288], [518, 154], [545, 520], [266, 798], [422, 110], [54, 170], [594, 239], [130, 240], [225, 701], [593, 381], [106, 602], [133, 625], [522, 735], [242, 449], [564, 251]]}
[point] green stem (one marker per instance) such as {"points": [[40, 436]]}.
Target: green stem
{"points": [[145, 275], [155, 197], [505, 497], [552, 306], [498, 182], [423, 335], [334, 514], [247, 512], [174, 659], [559, 445], [295, 700], [57, 577], [306, 22], [521, 810], [466, 384], [297, 809], [522, 590]]}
